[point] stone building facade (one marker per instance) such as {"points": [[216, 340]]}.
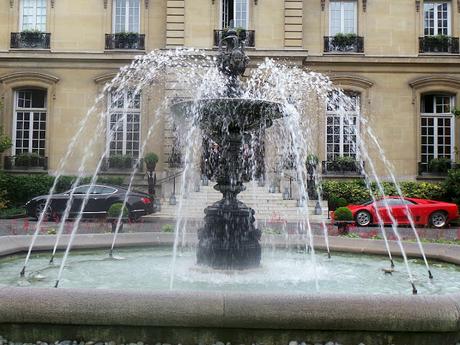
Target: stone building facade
{"points": [[400, 59]]}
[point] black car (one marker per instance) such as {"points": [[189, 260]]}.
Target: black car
{"points": [[100, 198]]}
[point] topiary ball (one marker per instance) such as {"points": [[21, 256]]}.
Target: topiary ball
{"points": [[343, 214]]}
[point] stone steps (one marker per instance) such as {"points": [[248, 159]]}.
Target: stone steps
{"points": [[268, 206]]}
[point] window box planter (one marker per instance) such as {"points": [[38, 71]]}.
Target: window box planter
{"points": [[30, 40], [344, 43], [25, 161], [439, 44], [125, 40]]}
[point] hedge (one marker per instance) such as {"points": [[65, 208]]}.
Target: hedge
{"points": [[17, 189], [356, 192]]}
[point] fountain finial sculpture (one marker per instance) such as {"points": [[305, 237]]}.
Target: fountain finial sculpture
{"points": [[229, 238]]}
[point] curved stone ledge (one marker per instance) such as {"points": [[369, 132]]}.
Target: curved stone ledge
{"points": [[230, 310], [195, 316]]}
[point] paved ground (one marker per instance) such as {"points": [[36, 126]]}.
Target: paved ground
{"points": [[25, 226]]}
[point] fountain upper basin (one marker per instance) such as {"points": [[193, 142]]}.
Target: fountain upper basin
{"points": [[219, 114]]}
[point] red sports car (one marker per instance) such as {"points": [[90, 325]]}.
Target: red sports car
{"points": [[424, 212]]}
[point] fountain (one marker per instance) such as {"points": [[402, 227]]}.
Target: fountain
{"points": [[229, 239]]}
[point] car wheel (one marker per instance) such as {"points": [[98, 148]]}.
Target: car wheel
{"points": [[438, 219], [39, 210], [363, 218]]}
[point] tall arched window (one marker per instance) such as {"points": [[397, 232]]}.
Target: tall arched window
{"points": [[29, 126], [437, 127], [342, 126], [126, 16], [124, 122], [33, 15], [236, 11]]}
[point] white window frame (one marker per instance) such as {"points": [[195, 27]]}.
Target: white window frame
{"points": [[342, 119], [125, 111], [21, 15], [221, 15], [342, 16], [126, 25], [31, 121], [449, 17], [435, 116]]}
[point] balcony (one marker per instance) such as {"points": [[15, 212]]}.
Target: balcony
{"points": [[436, 167], [26, 161], [439, 44], [344, 43], [125, 40], [248, 36], [342, 167], [30, 40]]}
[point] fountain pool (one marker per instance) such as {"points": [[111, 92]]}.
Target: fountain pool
{"points": [[281, 272]]}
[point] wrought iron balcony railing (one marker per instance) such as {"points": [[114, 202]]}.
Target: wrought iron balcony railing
{"points": [[25, 162], [249, 37], [439, 44], [341, 168], [436, 169], [125, 40], [343, 44], [30, 40]]}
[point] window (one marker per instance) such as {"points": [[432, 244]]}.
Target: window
{"points": [[436, 18], [124, 121], [33, 15], [236, 10], [29, 130], [342, 17], [126, 15], [437, 127], [342, 126]]}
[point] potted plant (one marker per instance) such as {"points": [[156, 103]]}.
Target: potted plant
{"points": [[113, 214], [151, 160], [343, 218]]}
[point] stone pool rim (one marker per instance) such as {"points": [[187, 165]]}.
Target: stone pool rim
{"points": [[387, 314]]}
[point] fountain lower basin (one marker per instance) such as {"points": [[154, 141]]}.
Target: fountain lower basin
{"points": [[282, 272], [192, 317]]}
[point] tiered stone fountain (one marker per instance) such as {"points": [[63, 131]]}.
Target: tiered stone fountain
{"points": [[229, 239]]}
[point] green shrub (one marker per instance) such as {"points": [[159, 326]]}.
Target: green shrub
{"points": [[452, 186], [5, 141], [18, 189], [116, 209], [440, 165], [336, 202], [343, 214], [354, 192], [121, 161], [342, 40], [167, 228]]}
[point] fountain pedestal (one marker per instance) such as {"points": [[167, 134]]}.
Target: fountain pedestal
{"points": [[229, 239]]}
